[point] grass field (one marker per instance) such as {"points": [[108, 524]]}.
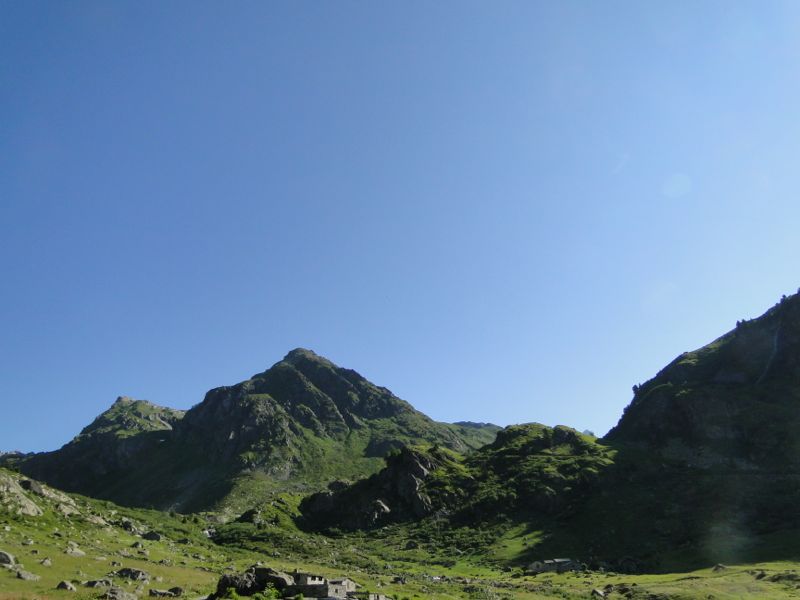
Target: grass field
{"points": [[430, 562]]}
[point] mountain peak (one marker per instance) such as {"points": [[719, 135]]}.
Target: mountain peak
{"points": [[302, 353]]}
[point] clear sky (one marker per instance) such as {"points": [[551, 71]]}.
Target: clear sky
{"points": [[502, 211]]}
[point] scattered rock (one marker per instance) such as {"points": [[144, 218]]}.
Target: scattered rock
{"points": [[74, 551], [66, 585], [596, 593], [46, 562], [118, 594], [164, 593], [718, 567], [132, 574], [67, 509], [96, 583], [785, 576], [26, 576], [152, 536], [6, 558]]}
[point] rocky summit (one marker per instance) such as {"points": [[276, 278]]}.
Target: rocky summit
{"points": [[301, 423]]}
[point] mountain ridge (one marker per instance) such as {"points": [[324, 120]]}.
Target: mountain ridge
{"points": [[302, 421]]}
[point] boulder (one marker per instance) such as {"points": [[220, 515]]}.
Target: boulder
{"points": [[132, 574], [243, 583], [32, 486], [74, 551], [46, 562], [268, 576], [14, 500], [66, 585], [26, 576], [253, 580], [96, 583], [118, 594], [152, 536], [7, 559], [170, 593]]}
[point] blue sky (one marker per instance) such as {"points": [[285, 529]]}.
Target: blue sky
{"points": [[503, 212]]}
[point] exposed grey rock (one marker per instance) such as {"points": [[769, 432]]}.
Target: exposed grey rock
{"points": [[7, 559], [132, 574], [66, 585], [96, 583], [164, 593], [32, 486], [75, 551], [255, 579], [26, 576], [14, 500], [118, 594], [153, 536]]}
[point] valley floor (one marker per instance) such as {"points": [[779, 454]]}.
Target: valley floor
{"points": [[57, 537]]}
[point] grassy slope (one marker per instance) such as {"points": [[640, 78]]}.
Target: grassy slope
{"points": [[372, 559]]}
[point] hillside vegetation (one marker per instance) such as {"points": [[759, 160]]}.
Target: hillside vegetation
{"points": [[299, 425]]}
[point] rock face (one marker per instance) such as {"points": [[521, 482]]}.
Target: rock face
{"points": [[304, 421], [14, 500], [528, 469], [395, 493], [707, 456], [731, 404]]}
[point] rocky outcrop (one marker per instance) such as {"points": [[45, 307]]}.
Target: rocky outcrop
{"points": [[731, 404], [255, 579], [132, 574], [66, 586], [14, 500], [118, 594], [395, 493]]}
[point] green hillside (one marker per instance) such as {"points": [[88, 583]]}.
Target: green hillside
{"points": [[298, 425]]}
